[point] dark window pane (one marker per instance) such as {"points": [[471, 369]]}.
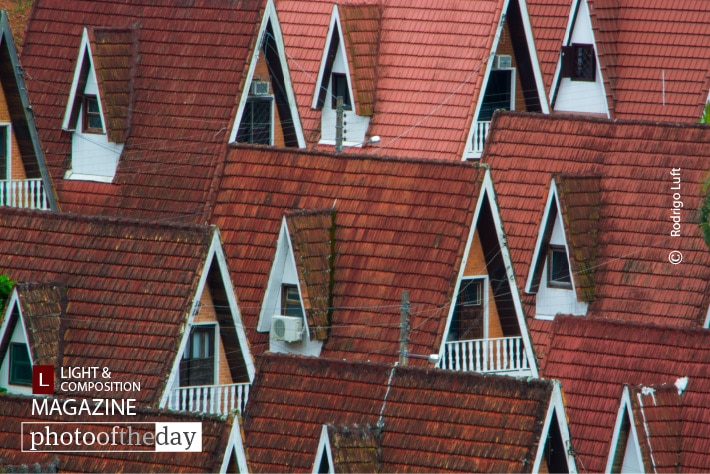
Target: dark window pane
{"points": [[498, 94], [4, 158], [584, 62], [340, 89], [559, 267], [92, 115], [255, 126], [20, 365], [197, 364], [291, 302]]}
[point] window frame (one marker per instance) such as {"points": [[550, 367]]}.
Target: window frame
{"points": [[285, 301], [186, 361], [483, 304], [86, 115], [249, 102], [570, 62], [6, 155], [11, 379], [551, 283], [343, 81]]}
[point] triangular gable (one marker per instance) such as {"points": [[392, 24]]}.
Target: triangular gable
{"points": [[486, 227], [516, 21], [106, 55], [625, 448], [311, 279], [569, 223], [554, 451], [32, 317], [570, 90], [347, 448], [354, 34], [215, 274], [21, 115], [235, 459], [270, 44]]}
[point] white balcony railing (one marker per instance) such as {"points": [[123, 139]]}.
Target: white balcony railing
{"points": [[218, 399], [479, 136], [505, 354], [25, 193]]}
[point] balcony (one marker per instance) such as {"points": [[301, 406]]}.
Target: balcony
{"points": [[502, 355], [24, 193], [215, 399], [480, 132]]}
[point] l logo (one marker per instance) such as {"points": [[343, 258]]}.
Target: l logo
{"points": [[43, 380]]}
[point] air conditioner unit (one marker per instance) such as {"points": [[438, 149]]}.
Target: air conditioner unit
{"points": [[286, 328], [259, 88], [502, 61]]}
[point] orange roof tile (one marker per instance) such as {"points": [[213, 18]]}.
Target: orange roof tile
{"points": [[430, 420], [633, 279], [548, 19], [593, 358], [361, 27]]}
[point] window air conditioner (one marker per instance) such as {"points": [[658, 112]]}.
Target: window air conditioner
{"points": [[286, 328], [259, 88], [502, 61]]}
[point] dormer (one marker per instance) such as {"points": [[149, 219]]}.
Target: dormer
{"points": [[648, 430], [347, 70], [564, 261], [28, 334], [512, 76], [98, 110], [214, 367], [486, 330], [578, 84], [267, 113], [297, 303]]}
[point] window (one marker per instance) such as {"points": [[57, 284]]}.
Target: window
{"points": [[579, 62], [197, 364], [20, 365], [290, 301], [92, 115], [255, 126], [469, 311], [499, 93], [339, 83], [558, 274]]}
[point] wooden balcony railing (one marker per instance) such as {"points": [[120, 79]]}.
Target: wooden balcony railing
{"points": [[506, 354], [216, 399], [479, 136], [25, 193]]}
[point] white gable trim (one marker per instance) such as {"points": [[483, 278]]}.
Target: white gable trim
{"points": [[216, 255], [334, 22], [624, 410], [556, 407], [13, 302], [488, 190], [707, 319], [324, 447], [571, 24], [235, 444], [551, 197], [537, 73], [84, 54], [270, 15]]}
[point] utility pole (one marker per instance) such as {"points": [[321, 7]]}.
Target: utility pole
{"points": [[339, 123], [404, 328]]}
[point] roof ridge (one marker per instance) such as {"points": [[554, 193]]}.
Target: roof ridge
{"points": [[561, 319]]}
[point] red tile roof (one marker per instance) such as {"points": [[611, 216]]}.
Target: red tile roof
{"points": [[354, 448], [41, 307], [654, 56], [548, 19], [429, 73], [114, 53], [400, 225], [312, 236], [192, 63], [593, 358], [361, 27], [432, 420], [633, 279], [129, 288], [14, 410], [658, 415]]}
